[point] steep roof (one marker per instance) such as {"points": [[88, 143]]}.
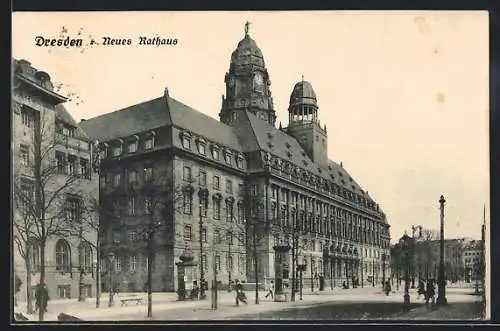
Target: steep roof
{"points": [[141, 117], [156, 113], [199, 123], [64, 116]]}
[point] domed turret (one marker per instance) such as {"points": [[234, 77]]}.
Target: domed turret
{"points": [[247, 84], [247, 53], [303, 104], [303, 94]]}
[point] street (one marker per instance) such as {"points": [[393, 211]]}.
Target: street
{"points": [[367, 303]]}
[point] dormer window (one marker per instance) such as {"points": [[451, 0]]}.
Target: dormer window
{"points": [[215, 152], [186, 140], [132, 146], [149, 143], [117, 151], [201, 145], [227, 157], [239, 162]]}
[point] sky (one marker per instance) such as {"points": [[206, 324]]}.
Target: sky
{"points": [[404, 95]]}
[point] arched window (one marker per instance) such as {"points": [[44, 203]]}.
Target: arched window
{"points": [[34, 255], [85, 257], [63, 256]]}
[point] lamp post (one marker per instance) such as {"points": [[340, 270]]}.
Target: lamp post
{"points": [[97, 284], [405, 243], [383, 269], [203, 195], [441, 299], [301, 267], [111, 258]]}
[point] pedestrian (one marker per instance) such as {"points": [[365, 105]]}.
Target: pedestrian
{"points": [[240, 295], [421, 288], [270, 290], [387, 287], [41, 297], [430, 292]]}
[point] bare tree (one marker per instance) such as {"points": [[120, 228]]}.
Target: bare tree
{"points": [[425, 253], [41, 188]]}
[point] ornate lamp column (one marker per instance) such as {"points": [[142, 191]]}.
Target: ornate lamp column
{"points": [[203, 195], [404, 243], [111, 258], [441, 299], [383, 269], [280, 269]]}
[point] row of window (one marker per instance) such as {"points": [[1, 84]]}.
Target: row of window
{"points": [[201, 145], [132, 177], [69, 165], [219, 236], [63, 257], [132, 146]]}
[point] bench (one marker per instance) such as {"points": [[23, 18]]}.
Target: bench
{"points": [[125, 300]]}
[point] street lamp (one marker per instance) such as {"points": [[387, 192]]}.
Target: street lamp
{"points": [[301, 267], [441, 299], [405, 245], [111, 258], [383, 269], [97, 284]]}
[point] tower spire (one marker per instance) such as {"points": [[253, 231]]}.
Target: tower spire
{"points": [[247, 27]]}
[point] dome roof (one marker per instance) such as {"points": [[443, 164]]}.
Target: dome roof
{"points": [[303, 94], [247, 53]]}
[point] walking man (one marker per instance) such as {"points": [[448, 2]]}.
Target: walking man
{"points": [[270, 290], [240, 295]]}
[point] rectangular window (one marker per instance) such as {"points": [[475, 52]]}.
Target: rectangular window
{"points": [[61, 162], [187, 232], [118, 264], [64, 291], [186, 142], [132, 263], [132, 147], [215, 153], [131, 206], [229, 186], [217, 262], [240, 213], [186, 174], [227, 158], [204, 234], [132, 177], [205, 262], [148, 174], [217, 237], [73, 209], [25, 155], [203, 178], [72, 165], [254, 189], [27, 117], [84, 169], [147, 206], [239, 163], [229, 212], [229, 239], [148, 143], [217, 209], [241, 189], [132, 236], [201, 148], [117, 151], [117, 180], [203, 208], [216, 182], [188, 203], [241, 264]]}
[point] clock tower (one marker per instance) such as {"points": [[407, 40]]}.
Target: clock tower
{"points": [[247, 84]]}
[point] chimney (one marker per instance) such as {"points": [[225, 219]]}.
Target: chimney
{"points": [[165, 93], [341, 164]]}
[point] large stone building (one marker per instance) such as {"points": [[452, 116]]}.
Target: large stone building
{"points": [[273, 181], [51, 173]]}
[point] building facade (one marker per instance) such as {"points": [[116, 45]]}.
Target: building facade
{"points": [[250, 185], [53, 189], [471, 259]]}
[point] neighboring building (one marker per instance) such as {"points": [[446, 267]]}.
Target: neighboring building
{"points": [[252, 173], [40, 119], [471, 259]]}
